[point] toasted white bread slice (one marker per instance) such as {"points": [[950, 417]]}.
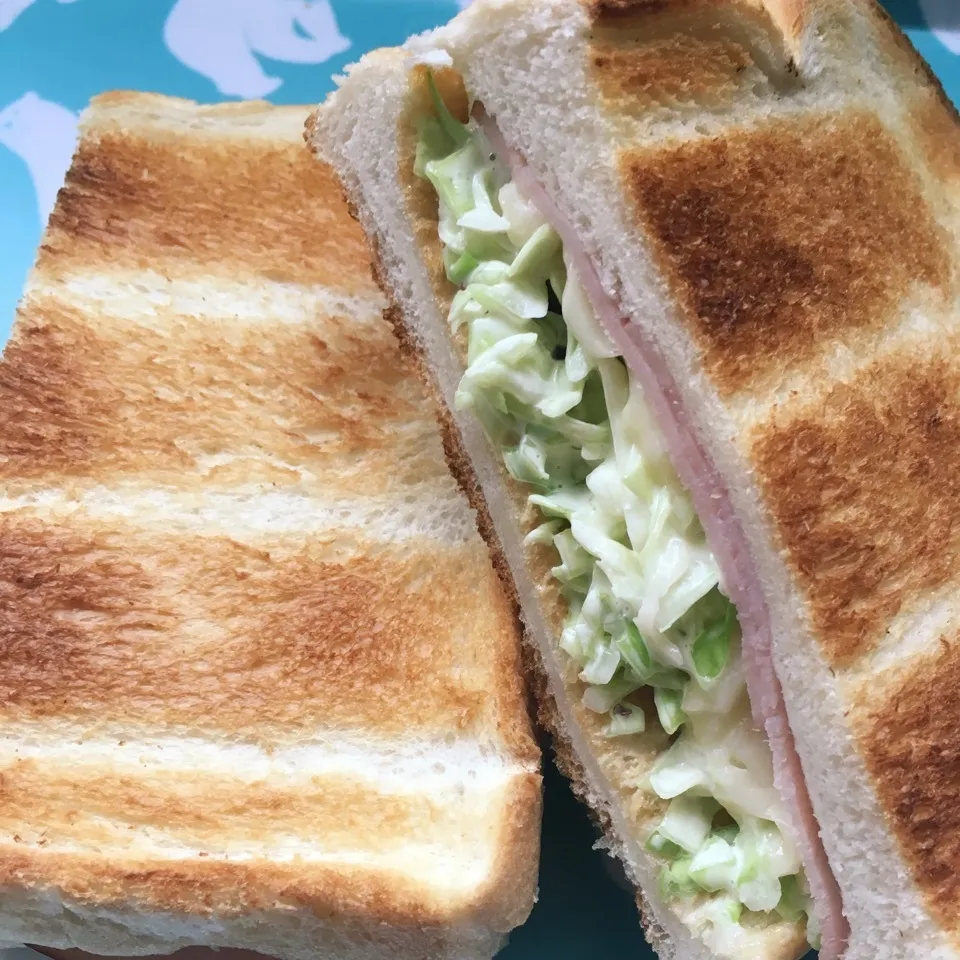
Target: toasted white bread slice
{"points": [[769, 191], [259, 681]]}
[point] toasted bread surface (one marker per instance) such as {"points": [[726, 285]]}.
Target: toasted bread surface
{"points": [[260, 681], [908, 728], [777, 240]]}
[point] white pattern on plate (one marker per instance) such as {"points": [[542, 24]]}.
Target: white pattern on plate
{"points": [[11, 9], [43, 134], [219, 39], [943, 19]]}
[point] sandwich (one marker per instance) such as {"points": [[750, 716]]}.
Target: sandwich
{"points": [[686, 273], [259, 679]]}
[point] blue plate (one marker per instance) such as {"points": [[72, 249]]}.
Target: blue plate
{"points": [[56, 54]]}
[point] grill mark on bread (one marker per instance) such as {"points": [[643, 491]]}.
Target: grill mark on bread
{"points": [[788, 15], [863, 484], [94, 399], [132, 199], [109, 621], [907, 726], [936, 130], [688, 55], [607, 12], [779, 239], [77, 807], [678, 69], [340, 892]]}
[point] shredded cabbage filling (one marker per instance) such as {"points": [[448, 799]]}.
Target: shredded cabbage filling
{"points": [[642, 586]]}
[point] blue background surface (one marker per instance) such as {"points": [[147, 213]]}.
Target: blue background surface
{"points": [[63, 52]]}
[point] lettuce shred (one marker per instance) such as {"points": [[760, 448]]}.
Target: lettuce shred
{"points": [[642, 587]]}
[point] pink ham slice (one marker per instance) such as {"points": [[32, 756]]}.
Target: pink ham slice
{"points": [[712, 502]]}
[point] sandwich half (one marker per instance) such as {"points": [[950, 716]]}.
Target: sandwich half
{"points": [[259, 680], [686, 271]]}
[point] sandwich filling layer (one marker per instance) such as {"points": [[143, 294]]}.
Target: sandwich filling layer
{"points": [[652, 634]]}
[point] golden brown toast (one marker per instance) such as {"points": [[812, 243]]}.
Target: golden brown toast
{"points": [[259, 681]]}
